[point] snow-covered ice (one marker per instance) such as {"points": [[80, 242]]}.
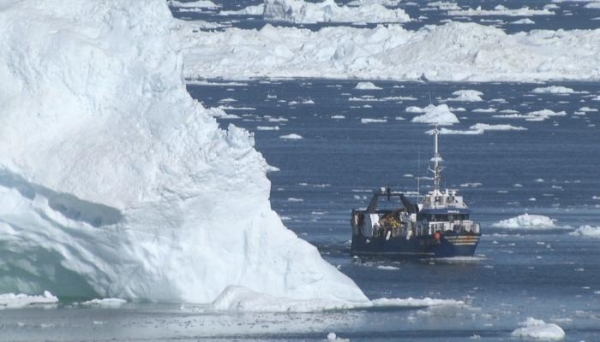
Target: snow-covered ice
{"points": [[111, 168], [527, 221], [367, 86]]}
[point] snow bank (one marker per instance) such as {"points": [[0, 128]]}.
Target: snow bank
{"points": [[527, 221], [299, 11], [114, 182], [539, 330], [11, 300], [451, 52], [440, 115]]}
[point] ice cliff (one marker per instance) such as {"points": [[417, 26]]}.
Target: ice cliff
{"points": [[114, 182]]}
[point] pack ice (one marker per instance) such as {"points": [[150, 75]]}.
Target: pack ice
{"points": [[115, 183]]}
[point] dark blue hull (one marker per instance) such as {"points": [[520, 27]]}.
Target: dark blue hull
{"points": [[416, 247]]}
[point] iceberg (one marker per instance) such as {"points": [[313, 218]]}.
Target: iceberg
{"points": [[526, 221], [115, 183], [537, 329], [301, 12], [440, 115], [451, 52]]}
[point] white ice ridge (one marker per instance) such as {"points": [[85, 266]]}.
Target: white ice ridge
{"points": [[115, 183], [451, 52], [527, 221], [299, 11]]}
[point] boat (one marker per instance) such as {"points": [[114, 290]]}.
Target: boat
{"points": [[437, 225]]}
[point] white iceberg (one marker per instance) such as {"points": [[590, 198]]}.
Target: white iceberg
{"points": [[587, 231], [466, 95], [440, 115], [539, 330], [527, 221], [112, 177]]}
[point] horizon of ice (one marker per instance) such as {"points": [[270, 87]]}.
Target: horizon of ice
{"points": [[115, 183], [451, 52], [537, 329], [440, 115], [527, 221], [301, 12]]}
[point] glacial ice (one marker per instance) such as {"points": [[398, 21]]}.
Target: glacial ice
{"points": [[115, 183]]}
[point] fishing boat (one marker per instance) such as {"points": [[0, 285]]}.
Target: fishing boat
{"points": [[437, 225]]}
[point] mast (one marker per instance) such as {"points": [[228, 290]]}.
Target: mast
{"points": [[436, 160]]}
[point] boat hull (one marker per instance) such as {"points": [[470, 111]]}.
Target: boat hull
{"points": [[416, 247]]}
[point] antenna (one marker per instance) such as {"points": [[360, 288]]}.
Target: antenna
{"points": [[437, 159]]}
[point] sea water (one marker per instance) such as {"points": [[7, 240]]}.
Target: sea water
{"points": [[350, 142]]}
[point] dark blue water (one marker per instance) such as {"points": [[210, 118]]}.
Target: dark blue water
{"points": [[548, 169]]}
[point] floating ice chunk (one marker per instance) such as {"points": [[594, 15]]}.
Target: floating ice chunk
{"points": [[525, 21], [466, 96], [11, 300], [587, 231], [446, 131], [440, 115], [105, 302], [594, 5], [267, 128], [292, 136], [338, 117], [193, 4], [588, 109], [486, 127], [553, 90], [387, 3], [527, 221], [484, 110], [387, 268], [539, 330], [501, 10], [367, 86], [369, 120]]}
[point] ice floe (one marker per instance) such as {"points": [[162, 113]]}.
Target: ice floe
{"points": [[367, 86], [292, 136], [500, 10], [104, 302]]}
